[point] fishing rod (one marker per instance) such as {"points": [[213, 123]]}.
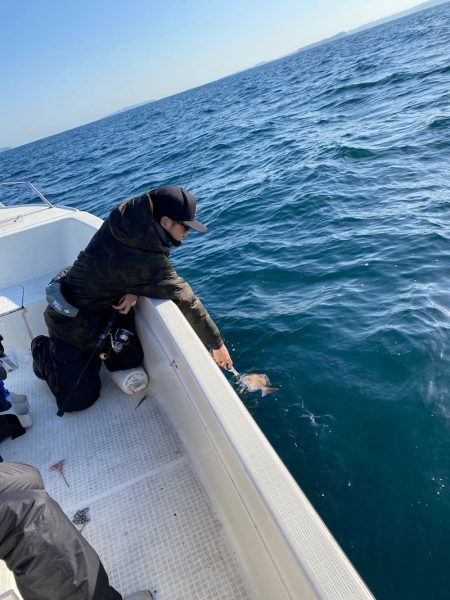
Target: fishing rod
{"points": [[97, 349]]}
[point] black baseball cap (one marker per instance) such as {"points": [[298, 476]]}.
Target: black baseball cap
{"points": [[176, 203]]}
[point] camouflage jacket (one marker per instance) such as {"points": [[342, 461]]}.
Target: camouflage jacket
{"points": [[126, 255]]}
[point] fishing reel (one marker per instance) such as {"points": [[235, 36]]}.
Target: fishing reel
{"points": [[120, 339]]}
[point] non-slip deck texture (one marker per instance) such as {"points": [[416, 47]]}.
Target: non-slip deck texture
{"points": [[151, 522]]}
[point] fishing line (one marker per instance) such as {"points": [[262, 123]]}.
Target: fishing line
{"points": [[233, 371], [219, 127]]}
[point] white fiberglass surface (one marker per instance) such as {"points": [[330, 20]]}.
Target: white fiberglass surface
{"points": [[150, 518], [41, 248]]}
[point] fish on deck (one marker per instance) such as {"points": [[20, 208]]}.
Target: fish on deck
{"points": [[254, 382]]}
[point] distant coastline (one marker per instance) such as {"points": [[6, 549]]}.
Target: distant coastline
{"points": [[399, 15], [125, 108], [403, 13], [341, 34], [418, 8]]}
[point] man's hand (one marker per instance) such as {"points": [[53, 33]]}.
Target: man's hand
{"points": [[126, 303], [222, 357]]}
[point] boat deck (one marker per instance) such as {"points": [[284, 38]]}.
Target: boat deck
{"points": [[150, 519]]}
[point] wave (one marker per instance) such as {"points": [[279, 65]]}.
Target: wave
{"points": [[437, 71], [136, 126], [440, 122], [393, 78], [345, 151]]}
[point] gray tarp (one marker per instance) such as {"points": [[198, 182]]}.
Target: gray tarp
{"points": [[50, 559]]}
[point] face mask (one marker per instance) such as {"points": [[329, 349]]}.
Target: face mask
{"points": [[165, 236]]}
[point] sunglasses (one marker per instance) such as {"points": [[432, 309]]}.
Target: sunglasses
{"points": [[186, 228]]}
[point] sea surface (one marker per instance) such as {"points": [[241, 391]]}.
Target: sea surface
{"points": [[324, 180]]}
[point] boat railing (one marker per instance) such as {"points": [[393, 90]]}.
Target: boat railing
{"points": [[33, 189], [43, 204]]}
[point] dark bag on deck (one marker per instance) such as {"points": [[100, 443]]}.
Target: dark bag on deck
{"points": [[10, 427], [9, 424]]}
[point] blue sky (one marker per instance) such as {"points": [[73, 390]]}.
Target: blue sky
{"points": [[64, 63]]}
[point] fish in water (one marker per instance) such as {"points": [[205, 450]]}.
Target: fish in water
{"points": [[257, 381]]}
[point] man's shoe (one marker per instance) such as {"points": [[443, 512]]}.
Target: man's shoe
{"points": [[142, 595], [35, 343], [37, 372]]}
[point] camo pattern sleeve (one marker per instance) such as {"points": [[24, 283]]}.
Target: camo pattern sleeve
{"points": [[173, 287]]}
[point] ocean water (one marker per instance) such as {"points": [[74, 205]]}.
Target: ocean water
{"points": [[324, 180]]}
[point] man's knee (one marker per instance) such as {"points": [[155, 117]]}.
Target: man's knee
{"points": [[17, 476], [71, 374], [81, 397]]}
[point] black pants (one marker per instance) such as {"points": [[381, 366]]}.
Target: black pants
{"points": [[60, 365], [47, 554]]}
